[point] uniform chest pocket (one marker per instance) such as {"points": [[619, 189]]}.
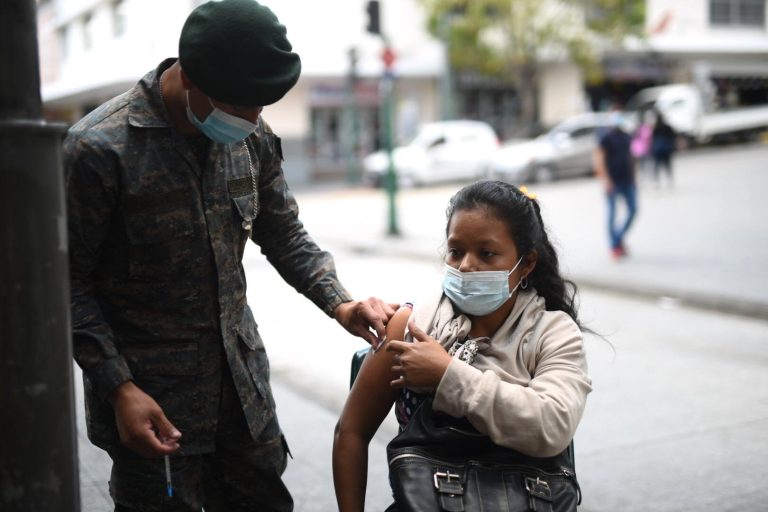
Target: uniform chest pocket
{"points": [[159, 244], [245, 198]]}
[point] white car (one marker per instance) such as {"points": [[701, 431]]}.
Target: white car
{"points": [[440, 151], [565, 150]]}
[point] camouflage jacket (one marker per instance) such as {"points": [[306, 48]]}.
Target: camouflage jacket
{"points": [[156, 247]]}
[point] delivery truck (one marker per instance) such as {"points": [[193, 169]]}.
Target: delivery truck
{"points": [[696, 116]]}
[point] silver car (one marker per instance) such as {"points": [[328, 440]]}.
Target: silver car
{"points": [[565, 150], [441, 151]]}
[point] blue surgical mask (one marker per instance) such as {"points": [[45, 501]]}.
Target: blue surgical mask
{"points": [[220, 126], [478, 293]]}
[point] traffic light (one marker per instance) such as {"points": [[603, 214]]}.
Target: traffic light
{"points": [[374, 27]]}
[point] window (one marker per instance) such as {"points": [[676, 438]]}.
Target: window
{"points": [[64, 41], [88, 31], [750, 13], [118, 17], [587, 131]]}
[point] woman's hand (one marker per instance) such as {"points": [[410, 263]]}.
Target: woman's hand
{"points": [[421, 364]]}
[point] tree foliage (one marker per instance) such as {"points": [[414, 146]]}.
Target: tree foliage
{"points": [[511, 38], [494, 36], [616, 19]]}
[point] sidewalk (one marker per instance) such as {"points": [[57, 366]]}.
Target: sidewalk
{"points": [[701, 243]]}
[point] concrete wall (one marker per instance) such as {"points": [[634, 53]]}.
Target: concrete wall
{"points": [[561, 93]]}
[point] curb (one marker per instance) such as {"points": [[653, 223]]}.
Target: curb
{"points": [[670, 296], [679, 298]]}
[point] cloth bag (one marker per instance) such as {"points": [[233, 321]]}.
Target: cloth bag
{"points": [[440, 463]]}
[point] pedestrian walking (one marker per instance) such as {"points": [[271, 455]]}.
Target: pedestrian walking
{"points": [[615, 166], [498, 355], [165, 185], [641, 143], [663, 147]]}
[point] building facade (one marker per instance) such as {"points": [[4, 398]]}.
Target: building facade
{"points": [[91, 50], [721, 45]]}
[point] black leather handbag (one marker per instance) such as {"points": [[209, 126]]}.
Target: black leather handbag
{"points": [[440, 463]]}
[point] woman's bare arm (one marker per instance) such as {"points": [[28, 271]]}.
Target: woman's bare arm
{"points": [[367, 405]]}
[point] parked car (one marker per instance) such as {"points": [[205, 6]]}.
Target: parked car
{"points": [[565, 150], [440, 151]]}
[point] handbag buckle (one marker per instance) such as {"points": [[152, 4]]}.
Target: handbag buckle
{"points": [[537, 489], [449, 490], [447, 475]]}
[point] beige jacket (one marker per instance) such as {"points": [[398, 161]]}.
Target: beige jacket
{"points": [[527, 387]]}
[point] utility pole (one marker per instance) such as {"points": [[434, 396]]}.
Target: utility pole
{"points": [[387, 92], [388, 113], [446, 79], [350, 120], [37, 433]]}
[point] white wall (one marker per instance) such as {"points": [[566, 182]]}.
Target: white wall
{"points": [[687, 30], [321, 32], [289, 117], [113, 62], [561, 93]]}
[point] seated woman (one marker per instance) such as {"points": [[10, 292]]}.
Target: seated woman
{"points": [[501, 346]]}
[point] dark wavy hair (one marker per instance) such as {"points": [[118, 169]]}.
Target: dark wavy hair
{"points": [[522, 216]]}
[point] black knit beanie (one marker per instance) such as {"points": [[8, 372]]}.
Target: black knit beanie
{"points": [[237, 52]]}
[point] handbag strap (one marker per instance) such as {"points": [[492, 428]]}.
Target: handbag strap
{"points": [[456, 439]]}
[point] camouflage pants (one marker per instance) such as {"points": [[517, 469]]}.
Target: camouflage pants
{"points": [[241, 475]]}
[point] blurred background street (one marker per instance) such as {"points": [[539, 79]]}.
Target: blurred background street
{"points": [[430, 95], [680, 401]]}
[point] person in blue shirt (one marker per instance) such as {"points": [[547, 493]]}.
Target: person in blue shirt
{"points": [[615, 166]]}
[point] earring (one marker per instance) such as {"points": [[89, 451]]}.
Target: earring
{"points": [[524, 283]]}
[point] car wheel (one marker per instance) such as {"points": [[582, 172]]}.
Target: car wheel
{"points": [[544, 173]]}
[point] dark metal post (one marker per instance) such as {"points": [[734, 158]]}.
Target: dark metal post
{"points": [[387, 88], [447, 107], [350, 120], [38, 470], [386, 112]]}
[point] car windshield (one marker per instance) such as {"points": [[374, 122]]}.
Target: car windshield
{"points": [[577, 127], [426, 136]]}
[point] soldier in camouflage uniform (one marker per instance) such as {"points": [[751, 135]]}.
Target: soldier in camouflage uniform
{"points": [[165, 185]]}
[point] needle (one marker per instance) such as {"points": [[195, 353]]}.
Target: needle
{"points": [[168, 485]]}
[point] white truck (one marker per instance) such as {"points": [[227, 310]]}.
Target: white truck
{"points": [[694, 114]]}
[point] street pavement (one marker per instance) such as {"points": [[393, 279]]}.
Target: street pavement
{"points": [[702, 240], [678, 419]]}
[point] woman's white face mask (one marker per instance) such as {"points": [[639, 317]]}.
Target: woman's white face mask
{"points": [[478, 293]]}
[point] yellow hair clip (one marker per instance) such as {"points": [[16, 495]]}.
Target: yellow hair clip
{"points": [[529, 195]]}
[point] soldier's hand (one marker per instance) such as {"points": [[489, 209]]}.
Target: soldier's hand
{"points": [[141, 423], [366, 319]]}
